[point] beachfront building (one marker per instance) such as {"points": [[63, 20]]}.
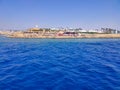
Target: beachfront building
{"points": [[37, 32], [90, 31], [110, 31], [70, 33]]}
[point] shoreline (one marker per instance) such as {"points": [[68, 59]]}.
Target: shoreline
{"points": [[70, 37]]}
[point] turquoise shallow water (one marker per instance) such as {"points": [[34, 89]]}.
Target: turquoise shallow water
{"points": [[59, 64]]}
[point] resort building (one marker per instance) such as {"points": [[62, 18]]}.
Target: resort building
{"points": [[110, 31]]}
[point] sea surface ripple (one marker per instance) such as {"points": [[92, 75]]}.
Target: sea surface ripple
{"points": [[59, 64]]}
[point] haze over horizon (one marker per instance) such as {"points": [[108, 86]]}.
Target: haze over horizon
{"points": [[87, 14]]}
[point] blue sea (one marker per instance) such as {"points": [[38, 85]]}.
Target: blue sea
{"points": [[59, 64]]}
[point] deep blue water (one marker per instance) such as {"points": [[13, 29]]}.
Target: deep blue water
{"points": [[59, 64]]}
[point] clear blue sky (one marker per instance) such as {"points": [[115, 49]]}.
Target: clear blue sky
{"points": [[88, 14]]}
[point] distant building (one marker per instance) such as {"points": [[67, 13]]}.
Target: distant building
{"points": [[109, 31]]}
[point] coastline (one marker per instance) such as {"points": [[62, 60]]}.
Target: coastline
{"points": [[69, 37]]}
